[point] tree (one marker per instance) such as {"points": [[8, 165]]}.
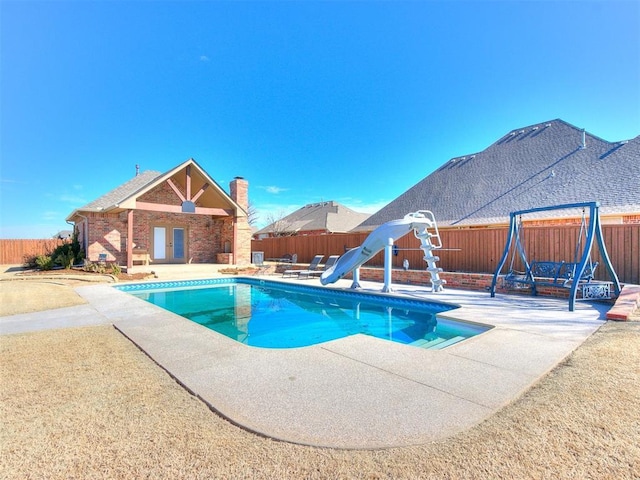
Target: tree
{"points": [[252, 214], [279, 226]]}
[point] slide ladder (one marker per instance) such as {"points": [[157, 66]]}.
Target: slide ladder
{"points": [[429, 237], [424, 228]]}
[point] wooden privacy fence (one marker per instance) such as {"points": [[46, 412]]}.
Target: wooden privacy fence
{"points": [[476, 250], [13, 252]]}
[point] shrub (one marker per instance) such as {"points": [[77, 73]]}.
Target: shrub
{"points": [[94, 267], [29, 261], [44, 262], [98, 267], [68, 254], [65, 258]]}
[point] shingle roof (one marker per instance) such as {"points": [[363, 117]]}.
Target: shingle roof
{"points": [[124, 191], [126, 195], [535, 166], [330, 216]]}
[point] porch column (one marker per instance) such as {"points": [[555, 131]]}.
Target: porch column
{"points": [[234, 247], [129, 239]]}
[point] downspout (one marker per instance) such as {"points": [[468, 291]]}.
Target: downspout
{"points": [[129, 240]]}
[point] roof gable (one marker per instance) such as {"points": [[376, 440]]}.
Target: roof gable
{"points": [[540, 165], [188, 182]]}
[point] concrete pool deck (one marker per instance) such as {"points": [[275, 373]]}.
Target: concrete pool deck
{"points": [[356, 392]]}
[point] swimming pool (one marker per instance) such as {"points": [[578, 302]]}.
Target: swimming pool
{"points": [[271, 314]]}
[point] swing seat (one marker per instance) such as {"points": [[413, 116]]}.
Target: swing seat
{"points": [[553, 274], [560, 274], [539, 273], [568, 273]]}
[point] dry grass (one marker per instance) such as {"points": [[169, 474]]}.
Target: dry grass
{"points": [[23, 291], [86, 403], [41, 294]]}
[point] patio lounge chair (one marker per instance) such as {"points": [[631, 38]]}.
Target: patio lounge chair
{"points": [[310, 273], [288, 258], [312, 266]]}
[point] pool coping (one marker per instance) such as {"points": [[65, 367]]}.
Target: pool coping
{"points": [[357, 392]]}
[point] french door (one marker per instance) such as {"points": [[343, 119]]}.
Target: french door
{"points": [[169, 244]]}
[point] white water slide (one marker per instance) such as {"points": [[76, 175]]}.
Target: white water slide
{"points": [[424, 227]]}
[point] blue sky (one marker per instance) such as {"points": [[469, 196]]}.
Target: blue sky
{"points": [[348, 101]]}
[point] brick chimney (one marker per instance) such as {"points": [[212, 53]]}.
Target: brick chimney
{"points": [[239, 189]]}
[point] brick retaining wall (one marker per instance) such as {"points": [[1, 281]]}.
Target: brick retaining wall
{"points": [[462, 280]]}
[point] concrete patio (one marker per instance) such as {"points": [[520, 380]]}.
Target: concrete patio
{"points": [[356, 392]]}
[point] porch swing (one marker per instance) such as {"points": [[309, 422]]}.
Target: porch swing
{"points": [[563, 274]]}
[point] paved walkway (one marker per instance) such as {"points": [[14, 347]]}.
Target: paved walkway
{"points": [[356, 392]]}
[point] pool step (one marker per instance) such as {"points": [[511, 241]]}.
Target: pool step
{"points": [[424, 343], [437, 343], [451, 341]]}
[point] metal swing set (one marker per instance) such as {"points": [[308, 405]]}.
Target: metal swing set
{"points": [[572, 275]]}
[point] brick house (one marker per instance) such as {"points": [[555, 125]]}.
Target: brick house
{"points": [[181, 216]]}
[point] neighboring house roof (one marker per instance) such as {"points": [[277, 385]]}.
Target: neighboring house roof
{"points": [[330, 217], [63, 234], [126, 195], [540, 165]]}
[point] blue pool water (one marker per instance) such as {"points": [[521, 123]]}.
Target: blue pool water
{"points": [[276, 315]]}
